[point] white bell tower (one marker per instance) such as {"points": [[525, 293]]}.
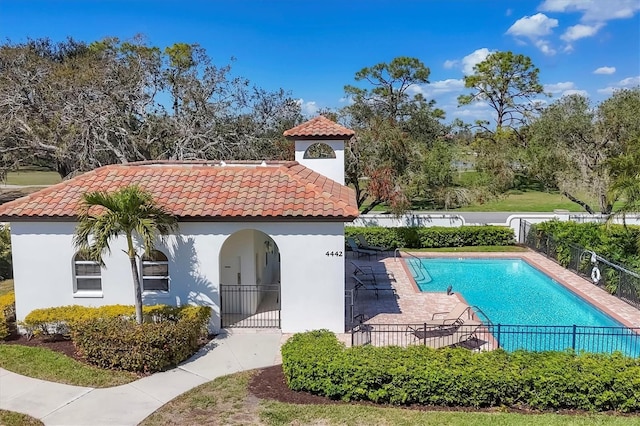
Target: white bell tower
{"points": [[319, 145]]}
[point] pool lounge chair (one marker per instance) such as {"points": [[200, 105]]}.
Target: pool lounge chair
{"points": [[360, 251], [371, 273], [452, 317], [362, 242], [458, 334], [365, 285]]}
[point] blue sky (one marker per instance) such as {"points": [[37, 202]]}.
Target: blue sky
{"points": [[313, 49]]}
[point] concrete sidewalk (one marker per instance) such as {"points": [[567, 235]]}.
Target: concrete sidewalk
{"points": [[58, 404]]}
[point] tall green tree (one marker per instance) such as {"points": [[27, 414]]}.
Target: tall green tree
{"points": [[129, 212], [509, 84], [392, 119]]}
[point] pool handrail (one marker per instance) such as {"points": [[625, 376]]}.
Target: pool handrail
{"points": [[423, 277]]}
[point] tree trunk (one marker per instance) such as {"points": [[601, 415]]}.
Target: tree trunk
{"points": [[370, 206], [136, 279], [605, 205], [581, 203]]}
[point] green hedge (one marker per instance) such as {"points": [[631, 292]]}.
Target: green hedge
{"points": [[59, 319], [316, 362], [434, 237], [119, 343], [613, 242]]}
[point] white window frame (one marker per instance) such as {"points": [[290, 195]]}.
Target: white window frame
{"points": [[143, 263], [78, 292]]}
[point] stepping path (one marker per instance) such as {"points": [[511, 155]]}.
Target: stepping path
{"points": [[59, 404]]}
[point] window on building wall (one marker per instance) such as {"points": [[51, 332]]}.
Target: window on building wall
{"points": [[319, 150], [88, 273], [155, 271]]}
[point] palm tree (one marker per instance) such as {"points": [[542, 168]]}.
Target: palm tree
{"points": [[130, 210], [625, 185]]}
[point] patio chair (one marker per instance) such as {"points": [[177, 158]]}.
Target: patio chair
{"points": [[371, 286], [460, 333], [452, 317], [360, 251], [369, 271], [362, 242]]}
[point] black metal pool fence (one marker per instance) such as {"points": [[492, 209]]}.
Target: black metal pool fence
{"points": [[613, 278], [509, 337]]}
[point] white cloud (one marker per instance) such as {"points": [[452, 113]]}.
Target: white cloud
{"points": [[605, 70], [508, 12], [579, 31], [535, 28], [308, 108], [450, 63], [477, 56], [625, 83], [556, 88], [594, 10], [545, 47], [575, 92], [437, 87]]}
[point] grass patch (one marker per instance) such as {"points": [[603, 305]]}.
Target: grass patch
{"points": [[32, 177], [11, 418], [276, 413], [526, 201], [45, 364], [6, 286], [471, 249], [223, 399], [227, 401]]}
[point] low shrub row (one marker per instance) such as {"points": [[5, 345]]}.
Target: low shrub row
{"points": [[7, 314], [60, 319], [434, 237], [316, 362], [119, 343]]}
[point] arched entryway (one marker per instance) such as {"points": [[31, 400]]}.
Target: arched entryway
{"points": [[249, 281]]}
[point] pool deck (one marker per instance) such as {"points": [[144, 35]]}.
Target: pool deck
{"points": [[411, 306]]}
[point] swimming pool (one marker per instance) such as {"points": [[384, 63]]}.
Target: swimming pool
{"points": [[510, 291]]}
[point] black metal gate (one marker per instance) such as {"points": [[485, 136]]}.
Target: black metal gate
{"points": [[250, 306]]}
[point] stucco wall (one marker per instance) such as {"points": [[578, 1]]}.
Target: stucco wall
{"points": [[312, 284], [333, 168]]}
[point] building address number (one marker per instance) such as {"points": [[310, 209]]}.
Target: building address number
{"points": [[334, 253]]}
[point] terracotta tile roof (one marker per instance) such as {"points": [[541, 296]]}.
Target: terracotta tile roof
{"points": [[202, 191], [319, 127]]}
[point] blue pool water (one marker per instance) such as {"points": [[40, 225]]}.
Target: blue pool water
{"points": [[510, 291]]}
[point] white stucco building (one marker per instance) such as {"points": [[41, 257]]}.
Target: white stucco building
{"points": [[260, 242]]}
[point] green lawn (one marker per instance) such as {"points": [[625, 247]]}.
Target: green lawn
{"points": [[32, 177], [227, 400], [11, 418], [529, 201], [469, 249], [41, 363]]}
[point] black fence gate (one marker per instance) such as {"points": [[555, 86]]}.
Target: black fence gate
{"points": [[250, 306]]}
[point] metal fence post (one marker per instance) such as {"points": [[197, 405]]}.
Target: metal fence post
{"points": [[498, 336], [424, 338], [573, 338]]}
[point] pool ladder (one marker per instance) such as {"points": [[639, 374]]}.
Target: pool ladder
{"points": [[417, 268]]}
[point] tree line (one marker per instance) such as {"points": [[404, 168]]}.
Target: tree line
{"points": [[74, 106]]}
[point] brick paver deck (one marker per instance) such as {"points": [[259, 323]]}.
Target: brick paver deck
{"points": [[410, 306]]}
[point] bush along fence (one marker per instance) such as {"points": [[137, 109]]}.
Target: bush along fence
{"points": [[316, 362], [434, 237], [556, 241]]}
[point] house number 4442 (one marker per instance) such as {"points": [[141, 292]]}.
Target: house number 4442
{"points": [[334, 253]]}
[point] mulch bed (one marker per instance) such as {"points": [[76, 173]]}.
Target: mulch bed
{"points": [[55, 343]]}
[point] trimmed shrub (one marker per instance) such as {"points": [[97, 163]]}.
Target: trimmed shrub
{"points": [[316, 362], [122, 344], [434, 237], [60, 319], [7, 314]]}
